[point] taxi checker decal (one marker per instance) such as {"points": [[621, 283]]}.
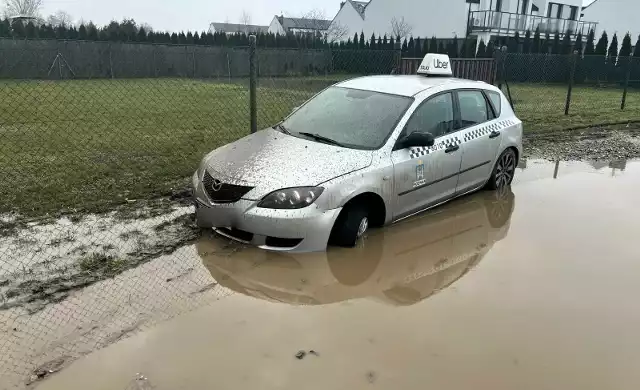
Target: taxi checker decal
{"points": [[454, 139]]}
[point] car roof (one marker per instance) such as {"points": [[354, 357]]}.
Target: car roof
{"points": [[404, 85]]}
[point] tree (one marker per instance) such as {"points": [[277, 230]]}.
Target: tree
{"points": [[372, 42], [625, 49], [30, 30], [92, 32], [433, 45], [417, 52], [245, 20], [441, 48], [142, 35], [189, 39], [613, 48], [578, 45], [526, 45], [361, 44], [490, 49], [602, 45], [555, 48], [60, 18], [636, 51], [452, 48], [590, 48], [381, 45], [354, 43], [17, 30], [411, 47], [482, 49], [83, 34], [392, 43], [513, 44], [400, 28], [29, 8], [566, 43], [537, 42], [405, 47], [5, 28], [385, 42]]}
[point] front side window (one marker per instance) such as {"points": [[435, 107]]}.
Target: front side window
{"points": [[473, 108], [434, 116], [351, 118]]}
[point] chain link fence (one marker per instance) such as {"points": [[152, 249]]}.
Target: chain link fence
{"points": [[98, 142], [556, 92]]}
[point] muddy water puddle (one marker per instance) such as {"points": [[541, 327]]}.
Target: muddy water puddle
{"points": [[492, 284]]}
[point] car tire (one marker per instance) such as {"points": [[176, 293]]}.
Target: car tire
{"points": [[499, 205], [504, 171], [350, 226]]}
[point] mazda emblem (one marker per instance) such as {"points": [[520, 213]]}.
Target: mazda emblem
{"points": [[216, 185]]}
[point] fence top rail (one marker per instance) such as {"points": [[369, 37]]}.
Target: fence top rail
{"points": [[453, 59]]}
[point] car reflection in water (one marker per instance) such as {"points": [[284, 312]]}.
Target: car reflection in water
{"points": [[402, 264]]}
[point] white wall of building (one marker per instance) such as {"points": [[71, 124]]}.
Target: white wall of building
{"points": [[349, 21], [426, 17], [275, 27], [615, 16]]}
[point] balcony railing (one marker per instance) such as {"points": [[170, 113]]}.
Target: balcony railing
{"points": [[506, 23]]}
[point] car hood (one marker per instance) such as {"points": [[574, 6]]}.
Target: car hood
{"points": [[270, 160]]}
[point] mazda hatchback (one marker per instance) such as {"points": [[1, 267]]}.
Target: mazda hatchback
{"points": [[363, 153]]}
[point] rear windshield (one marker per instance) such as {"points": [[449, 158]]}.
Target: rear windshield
{"points": [[354, 118]]}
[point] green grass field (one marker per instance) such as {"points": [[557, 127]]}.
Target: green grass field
{"points": [[90, 144], [541, 107]]}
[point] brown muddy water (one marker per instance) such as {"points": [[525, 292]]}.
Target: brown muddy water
{"points": [[529, 288]]}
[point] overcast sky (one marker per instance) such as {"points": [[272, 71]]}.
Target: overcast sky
{"points": [[176, 15]]}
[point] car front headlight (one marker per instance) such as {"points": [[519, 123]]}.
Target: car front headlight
{"points": [[291, 198]]}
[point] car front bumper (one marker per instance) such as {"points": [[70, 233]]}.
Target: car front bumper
{"points": [[302, 230]]}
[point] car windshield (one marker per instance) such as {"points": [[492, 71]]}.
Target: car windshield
{"points": [[348, 117]]}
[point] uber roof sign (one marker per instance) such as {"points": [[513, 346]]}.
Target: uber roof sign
{"points": [[436, 65]]}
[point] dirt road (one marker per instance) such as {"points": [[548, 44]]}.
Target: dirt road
{"points": [[525, 289]]}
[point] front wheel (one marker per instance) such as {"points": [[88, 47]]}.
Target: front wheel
{"points": [[350, 226], [504, 170]]}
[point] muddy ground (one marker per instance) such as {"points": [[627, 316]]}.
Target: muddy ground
{"points": [[48, 262]]}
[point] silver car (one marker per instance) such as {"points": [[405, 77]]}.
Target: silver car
{"points": [[363, 153]]}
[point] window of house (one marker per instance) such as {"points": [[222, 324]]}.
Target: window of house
{"points": [[434, 116]]}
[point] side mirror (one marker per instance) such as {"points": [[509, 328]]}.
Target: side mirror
{"points": [[417, 139]]}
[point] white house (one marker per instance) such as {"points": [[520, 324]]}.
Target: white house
{"points": [[232, 28], [446, 19], [283, 25], [615, 16]]}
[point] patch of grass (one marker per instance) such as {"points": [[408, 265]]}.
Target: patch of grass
{"points": [[102, 264], [83, 144], [541, 106], [88, 145]]}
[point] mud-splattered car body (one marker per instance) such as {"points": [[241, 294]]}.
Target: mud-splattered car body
{"points": [[365, 152]]}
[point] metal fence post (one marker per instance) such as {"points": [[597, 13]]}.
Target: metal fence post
{"points": [[626, 83], [253, 81], [572, 59]]}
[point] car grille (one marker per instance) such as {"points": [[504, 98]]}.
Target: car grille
{"points": [[226, 193]]}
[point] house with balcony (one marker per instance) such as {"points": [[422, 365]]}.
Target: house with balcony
{"points": [[483, 19], [491, 18]]}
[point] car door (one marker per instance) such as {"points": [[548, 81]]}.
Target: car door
{"points": [[424, 176], [480, 133]]}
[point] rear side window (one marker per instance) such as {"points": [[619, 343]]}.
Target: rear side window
{"points": [[434, 116], [473, 108], [496, 101]]}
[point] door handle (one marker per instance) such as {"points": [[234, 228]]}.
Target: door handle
{"points": [[495, 134], [452, 149]]}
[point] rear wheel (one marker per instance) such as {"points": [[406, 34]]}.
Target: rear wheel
{"points": [[351, 225], [504, 170]]}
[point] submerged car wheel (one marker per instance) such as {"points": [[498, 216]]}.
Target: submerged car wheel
{"points": [[351, 225], [504, 171]]}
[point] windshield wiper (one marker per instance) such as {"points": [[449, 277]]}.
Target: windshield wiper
{"points": [[281, 127], [321, 138]]}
